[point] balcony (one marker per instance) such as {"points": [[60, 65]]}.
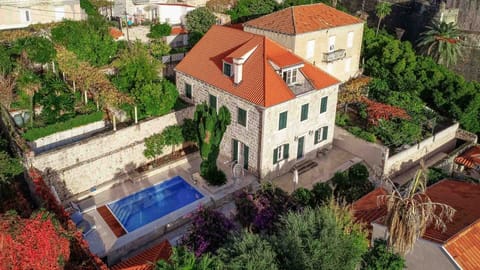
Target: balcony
{"points": [[334, 56]]}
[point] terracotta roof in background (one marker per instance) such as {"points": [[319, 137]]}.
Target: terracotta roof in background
{"points": [[303, 19], [238, 26], [469, 158], [465, 247], [115, 32], [368, 208], [146, 259], [261, 85], [178, 30]]}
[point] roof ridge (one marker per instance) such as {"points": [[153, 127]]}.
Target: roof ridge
{"points": [[293, 21]]}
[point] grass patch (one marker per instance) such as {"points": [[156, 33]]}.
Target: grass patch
{"points": [[36, 133]]}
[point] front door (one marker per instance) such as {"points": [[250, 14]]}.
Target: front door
{"points": [[245, 157], [301, 141], [240, 153]]}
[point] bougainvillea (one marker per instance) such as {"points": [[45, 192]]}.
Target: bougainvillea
{"points": [[34, 243], [377, 111], [259, 211], [208, 231]]}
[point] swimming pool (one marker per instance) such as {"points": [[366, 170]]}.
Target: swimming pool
{"points": [[150, 204]]}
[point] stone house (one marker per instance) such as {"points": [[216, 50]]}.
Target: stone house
{"points": [[22, 13], [326, 37], [457, 247], [282, 107]]}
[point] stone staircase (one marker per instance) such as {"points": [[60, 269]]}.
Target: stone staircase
{"points": [[304, 166]]}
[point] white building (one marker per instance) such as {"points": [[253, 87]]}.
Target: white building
{"points": [[282, 107], [155, 10], [22, 13]]}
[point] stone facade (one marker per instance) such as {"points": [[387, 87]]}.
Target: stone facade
{"points": [[344, 68], [261, 134]]}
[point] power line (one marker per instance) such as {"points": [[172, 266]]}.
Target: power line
{"points": [[2, 6]]}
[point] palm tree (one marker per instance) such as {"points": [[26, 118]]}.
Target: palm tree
{"points": [[442, 42], [382, 10], [411, 211]]}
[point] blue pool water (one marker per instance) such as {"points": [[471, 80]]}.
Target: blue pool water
{"points": [[147, 205]]}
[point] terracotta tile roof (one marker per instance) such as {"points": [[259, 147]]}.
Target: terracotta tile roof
{"points": [[115, 33], [464, 247], [261, 84], [146, 259], [178, 30], [303, 19], [369, 208], [462, 196], [469, 158]]}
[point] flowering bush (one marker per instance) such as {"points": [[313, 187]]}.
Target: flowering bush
{"points": [[34, 243], [262, 209], [208, 231]]}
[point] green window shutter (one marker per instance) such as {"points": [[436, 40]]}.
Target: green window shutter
{"points": [[282, 121], [235, 150], [325, 133], [285, 151], [188, 90], [245, 157], [242, 117], [323, 105], [275, 155], [316, 137], [213, 101], [304, 112]]}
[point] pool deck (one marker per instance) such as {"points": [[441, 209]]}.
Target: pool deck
{"points": [[103, 241]]}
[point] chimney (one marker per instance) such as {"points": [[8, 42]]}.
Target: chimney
{"points": [[238, 70]]}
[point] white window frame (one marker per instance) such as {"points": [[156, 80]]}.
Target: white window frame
{"points": [[280, 149], [331, 43], [320, 135], [350, 36], [290, 75], [310, 49]]}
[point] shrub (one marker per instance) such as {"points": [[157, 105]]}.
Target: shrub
{"points": [[154, 145], [322, 194], [35, 133], [435, 175], [9, 168], [207, 232], [182, 258], [303, 196], [352, 184], [380, 257], [57, 101], [189, 131], [397, 132], [342, 119], [362, 134], [159, 30]]}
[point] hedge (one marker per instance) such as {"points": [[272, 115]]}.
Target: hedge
{"points": [[36, 133]]}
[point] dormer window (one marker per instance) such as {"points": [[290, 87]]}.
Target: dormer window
{"points": [[290, 76], [227, 69]]}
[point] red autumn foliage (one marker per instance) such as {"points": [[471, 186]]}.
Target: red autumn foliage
{"points": [[377, 111], [81, 254], [33, 244]]}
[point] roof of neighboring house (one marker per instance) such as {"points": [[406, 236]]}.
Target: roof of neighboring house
{"points": [[178, 30], [303, 19], [462, 196], [115, 32], [464, 247], [146, 260], [469, 158], [261, 84]]}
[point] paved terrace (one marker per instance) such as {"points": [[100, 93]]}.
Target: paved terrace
{"points": [[102, 240]]}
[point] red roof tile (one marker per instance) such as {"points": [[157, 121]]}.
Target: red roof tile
{"points": [[146, 259], [465, 247], [178, 30], [115, 33], [469, 158], [462, 196], [303, 19], [261, 84]]}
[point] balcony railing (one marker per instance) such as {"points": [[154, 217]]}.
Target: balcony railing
{"points": [[334, 56]]}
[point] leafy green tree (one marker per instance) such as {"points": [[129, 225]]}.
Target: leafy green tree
{"points": [[38, 49], [159, 48], [352, 184], [199, 22], [320, 238], [189, 130], [182, 259], [211, 127], [245, 10], [154, 146], [159, 30], [381, 257], [9, 168], [322, 194], [57, 100], [173, 136], [89, 40], [382, 10], [155, 98], [248, 251], [303, 196], [442, 42], [397, 132]]}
